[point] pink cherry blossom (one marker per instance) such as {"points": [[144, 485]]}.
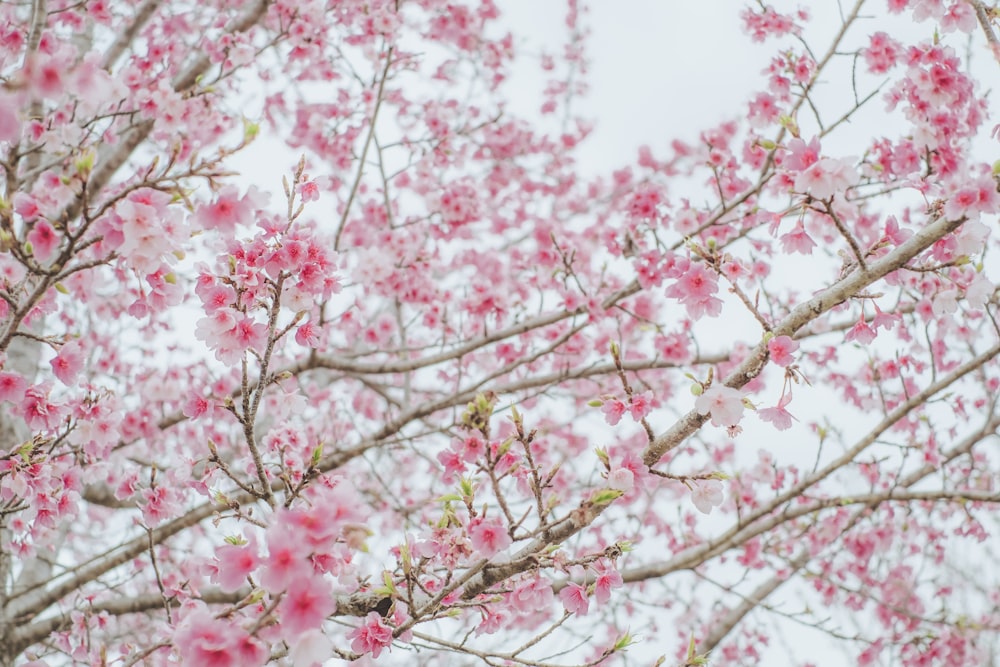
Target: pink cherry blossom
{"points": [[69, 362], [310, 649], [778, 415], [613, 410], [607, 578], [202, 639], [286, 561], [12, 386], [489, 537], [798, 241], [695, 289], [781, 349], [574, 599], [234, 564], [861, 332], [826, 178], [724, 405], [640, 405], [707, 495], [227, 211], [621, 479], [385, 380], [307, 335], [882, 53], [372, 636], [801, 155], [44, 240], [306, 603]]}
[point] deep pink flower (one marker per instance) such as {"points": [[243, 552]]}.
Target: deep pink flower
{"points": [[372, 636], [44, 240], [306, 335], [307, 602], [195, 407], [489, 536]]}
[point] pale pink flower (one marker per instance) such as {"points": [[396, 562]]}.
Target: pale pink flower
{"points": [[195, 407], [309, 191], [797, 241], [781, 349], [723, 403], [970, 238], [67, 364], [202, 639], [227, 211], [801, 155], [12, 386], [882, 53], [488, 537], [150, 234], [959, 16], [778, 415], [640, 405], [861, 332], [286, 560], [978, 291], [532, 595], [827, 178], [574, 599], [695, 289], [159, 504], [608, 578], [234, 565], [621, 479], [706, 495], [613, 411], [310, 649]]}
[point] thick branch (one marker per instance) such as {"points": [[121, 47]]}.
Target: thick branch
{"points": [[798, 318]]}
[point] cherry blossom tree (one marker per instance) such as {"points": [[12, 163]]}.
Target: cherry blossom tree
{"points": [[449, 398]]}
